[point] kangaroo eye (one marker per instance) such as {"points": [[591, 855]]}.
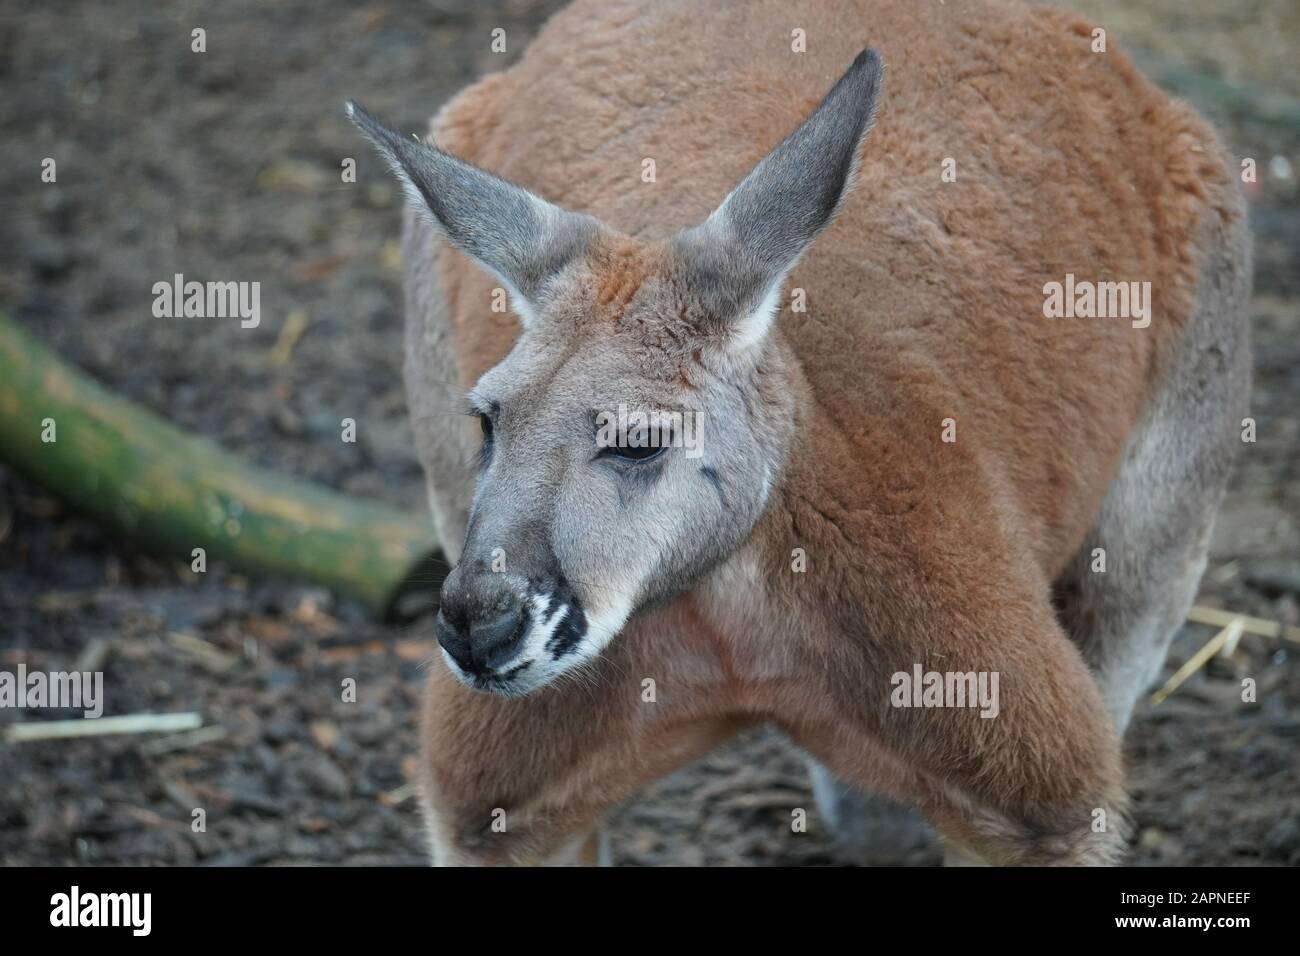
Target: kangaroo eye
{"points": [[637, 447], [632, 453], [485, 422]]}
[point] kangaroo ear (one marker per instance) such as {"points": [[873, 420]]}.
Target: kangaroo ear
{"points": [[736, 260], [520, 238]]}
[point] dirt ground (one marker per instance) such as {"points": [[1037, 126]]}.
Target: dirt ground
{"points": [[226, 166]]}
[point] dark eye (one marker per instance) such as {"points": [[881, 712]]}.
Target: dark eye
{"points": [[485, 422], [630, 452]]}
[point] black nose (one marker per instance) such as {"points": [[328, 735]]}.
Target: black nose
{"points": [[481, 646]]}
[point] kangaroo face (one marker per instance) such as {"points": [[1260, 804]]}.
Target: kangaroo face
{"points": [[633, 435], [624, 455]]}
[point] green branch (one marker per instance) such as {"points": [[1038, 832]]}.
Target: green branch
{"points": [[170, 492]]}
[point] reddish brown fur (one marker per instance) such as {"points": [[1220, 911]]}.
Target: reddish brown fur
{"points": [[915, 315], [621, 267]]}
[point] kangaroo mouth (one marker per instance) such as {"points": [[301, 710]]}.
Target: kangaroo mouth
{"points": [[551, 638], [504, 684]]}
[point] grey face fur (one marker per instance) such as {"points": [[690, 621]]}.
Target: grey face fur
{"points": [[566, 538]]}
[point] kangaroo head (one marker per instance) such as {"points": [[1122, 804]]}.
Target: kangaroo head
{"points": [[634, 434]]}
